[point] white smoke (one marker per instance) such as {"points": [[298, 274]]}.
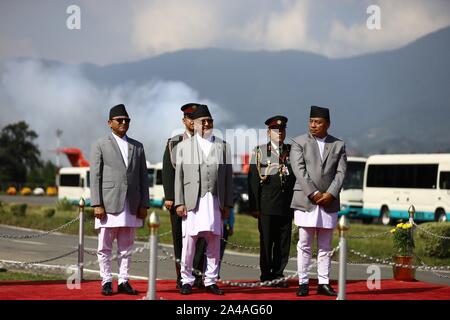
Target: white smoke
{"points": [[52, 97]]}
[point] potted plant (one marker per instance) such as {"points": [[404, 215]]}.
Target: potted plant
{"points": [[403, 252]]}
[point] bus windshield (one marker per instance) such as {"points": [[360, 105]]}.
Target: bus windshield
{"points": [[151, 177], [354, 177], [154, 176]]}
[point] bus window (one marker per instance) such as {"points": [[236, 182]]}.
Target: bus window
{"points": [[151, 175], [444, 181], [88, 179], [419, 176], [355, 175], [69, 180], [158, 176]]}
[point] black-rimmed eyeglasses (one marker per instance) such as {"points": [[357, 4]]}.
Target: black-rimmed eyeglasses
{"points": [[122, 120]]}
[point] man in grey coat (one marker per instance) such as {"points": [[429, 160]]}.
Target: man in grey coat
{"points": [[119, 195], [203, 196], [319, 163]]}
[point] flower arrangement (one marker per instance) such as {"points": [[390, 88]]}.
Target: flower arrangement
{"points": [[403, 239]]}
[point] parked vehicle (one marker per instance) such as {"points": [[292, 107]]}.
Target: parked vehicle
{"points": [[73, 183], [392, 183], [156, 190], [351, 196], [240, 193]]}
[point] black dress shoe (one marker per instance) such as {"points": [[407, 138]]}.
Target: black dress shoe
{"points": [[214, 289], [326, 290], [186, 289], [127, 289], [107, 289], [198, 283], [303, 290]]}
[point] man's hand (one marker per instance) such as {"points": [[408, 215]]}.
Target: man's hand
{"points": [[316, 197], [168, 204], [230, 231], [142, 213], [255, 214], [99, 212], [325, 200], [181, 211], [225, 213]]}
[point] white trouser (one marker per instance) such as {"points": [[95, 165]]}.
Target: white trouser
{"points": [[212, 258], [304, 252], [125, 241]]}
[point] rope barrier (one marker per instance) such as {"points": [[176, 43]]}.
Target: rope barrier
{"points": [[40, 235]]}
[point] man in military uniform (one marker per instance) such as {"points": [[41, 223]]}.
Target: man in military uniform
{"points": [[168, 178], [271, 185]]}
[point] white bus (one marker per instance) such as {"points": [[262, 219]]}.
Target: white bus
{"points": [[351, 195], [73, 183], [156, 186], [392, 183]]}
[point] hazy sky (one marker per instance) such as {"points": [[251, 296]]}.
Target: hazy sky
{"points": [[114, 31]]}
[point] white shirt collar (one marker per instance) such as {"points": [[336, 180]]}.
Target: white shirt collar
{"points": [[124, 138], [276, 147], [209, 139], [321, 139]]}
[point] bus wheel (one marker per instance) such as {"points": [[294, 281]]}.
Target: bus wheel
{"points": [[367, 220], [385, 216], [440, 215]]}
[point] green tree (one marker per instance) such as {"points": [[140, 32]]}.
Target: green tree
{"points": [[18, 153], [44, 175]]}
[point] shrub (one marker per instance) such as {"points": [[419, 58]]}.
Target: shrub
{"points": [[52, 191], [89, 213], [19, 209], [48, 212], [434, 246], [11, 191], [25, 191], [64, 205]]}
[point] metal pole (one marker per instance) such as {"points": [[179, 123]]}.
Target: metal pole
{"points": [[58, 144], [153, 224], [411, 212], [81, 240], [343, 226]]}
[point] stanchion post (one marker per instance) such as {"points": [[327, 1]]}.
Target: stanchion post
{"points": [[153, 224], [81, 240], [343, 226], [411, 212]]}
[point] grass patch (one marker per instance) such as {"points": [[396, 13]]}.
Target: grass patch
{"points": [[21, 275]]}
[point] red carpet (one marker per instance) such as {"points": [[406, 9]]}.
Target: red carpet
{"points": [[90, 290]]}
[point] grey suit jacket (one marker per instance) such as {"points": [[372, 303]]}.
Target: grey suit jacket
{"points": [[111, 182], [314, 174], [187, 174]]}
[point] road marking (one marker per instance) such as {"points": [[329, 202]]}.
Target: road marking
{"points": [[28, 242]]}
